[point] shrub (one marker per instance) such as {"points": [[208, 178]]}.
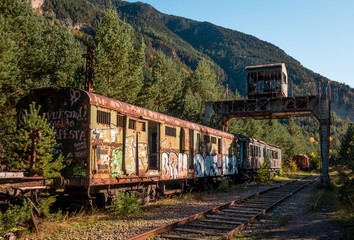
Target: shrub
{"points": [[223, 186], [291, 165], [13, 218], [263, 173], [126, 204]]}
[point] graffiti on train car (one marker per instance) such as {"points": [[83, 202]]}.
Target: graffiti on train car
{"points": [[174, 165], [208, 166], [69, 121], [117, 161], [130, 153], [143, 156]]}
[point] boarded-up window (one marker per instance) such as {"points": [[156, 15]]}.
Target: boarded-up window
{"points": [[132, 124], [142, 126], [103, 117], [219, 146], [182, 141], [169, 131], [120, 121]]}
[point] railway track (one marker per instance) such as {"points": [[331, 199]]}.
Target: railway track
{"points": [[225, 221]]}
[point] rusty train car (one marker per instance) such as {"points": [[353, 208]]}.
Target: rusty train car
{"points": [[110, 146], [302, 161], [254, 153], [267, 81]]}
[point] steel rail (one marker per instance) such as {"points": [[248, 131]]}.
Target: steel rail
{"points": [[226, 220]]}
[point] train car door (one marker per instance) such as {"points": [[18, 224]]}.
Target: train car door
{"points": [[142, 150], [154, 145], [130, 147], [191, 149]]}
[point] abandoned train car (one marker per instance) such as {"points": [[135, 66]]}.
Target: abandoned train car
{"points": [[302, 161], [109, 146], [254, 153]]}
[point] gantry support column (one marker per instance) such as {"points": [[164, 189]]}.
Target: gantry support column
{"points": [[324, 118]]}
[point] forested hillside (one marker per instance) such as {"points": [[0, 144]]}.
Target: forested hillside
{"points": [[231, 50], [164, 63]]}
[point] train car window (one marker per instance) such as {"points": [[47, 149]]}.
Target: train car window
{"points": [[213, 140], [170, 131], [120, 121], [259, 151], [182, 141], [219, 146], [142, 126], [132, 124], [191, 148], [103, 117], [199, 144], [206, 139]]}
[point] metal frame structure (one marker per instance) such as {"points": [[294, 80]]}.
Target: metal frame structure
{"points": [[318, 106]]}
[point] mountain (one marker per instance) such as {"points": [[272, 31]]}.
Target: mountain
{"points": [[188, 41]]}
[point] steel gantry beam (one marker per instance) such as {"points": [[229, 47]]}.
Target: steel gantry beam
{"points": [[318, 106]]}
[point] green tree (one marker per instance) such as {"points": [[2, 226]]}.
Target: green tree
{"points": [[200, 87], [162, 86], [34, 52], [346, 152], [34, 128], [119, 66]]}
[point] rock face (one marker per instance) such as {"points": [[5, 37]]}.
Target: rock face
{"points": [[37, 4]]}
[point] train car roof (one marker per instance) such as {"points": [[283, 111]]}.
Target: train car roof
{"points": [[266, 66], [245, 138], [138, 112]]}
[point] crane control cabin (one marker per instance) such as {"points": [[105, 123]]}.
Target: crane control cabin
{"points": [[267, 81]]}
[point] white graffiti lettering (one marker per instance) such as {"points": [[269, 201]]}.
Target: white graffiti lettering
{"points": [[79, 146], [51, 116], [209, 165], [74, 96], [70, 134], [174, 165], [81, 154]]}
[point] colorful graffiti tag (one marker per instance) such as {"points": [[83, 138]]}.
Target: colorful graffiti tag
{"points": [[174, 165], [208, 166], [117, 162]]}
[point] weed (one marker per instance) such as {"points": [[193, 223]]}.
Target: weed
{"points": [[224, 186], [13, 218], [263, 173], [126, 204]]}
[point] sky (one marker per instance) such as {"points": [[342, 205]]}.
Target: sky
{"points": [[317, 33]]}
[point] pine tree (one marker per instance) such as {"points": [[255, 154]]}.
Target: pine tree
{"points": [[200, 87], [162, 87], [346, 153], [119, 67], [34, 137]]}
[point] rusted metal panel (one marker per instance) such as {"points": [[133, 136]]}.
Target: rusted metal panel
{"points": [[14, 182], [99, 181]]}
